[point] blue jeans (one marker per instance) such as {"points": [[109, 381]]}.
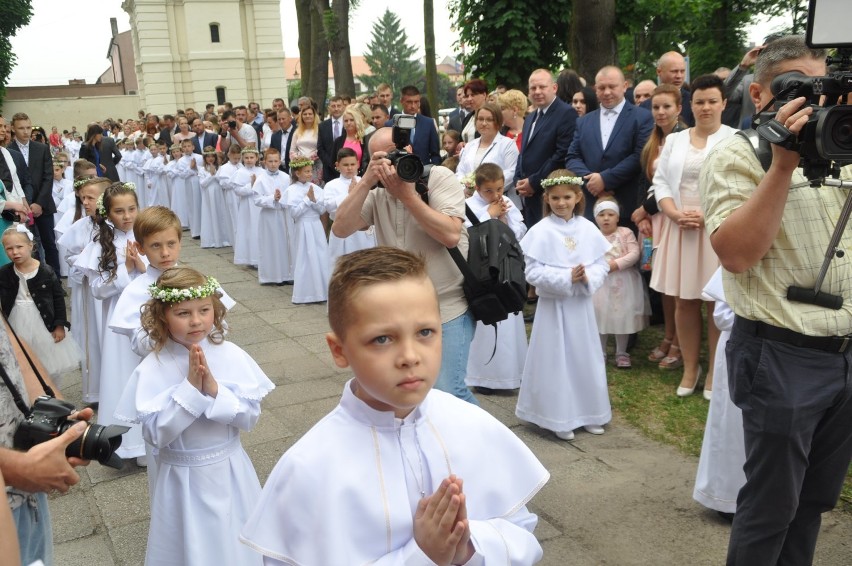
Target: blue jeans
{"points": [[35, 534], [457, 335]]}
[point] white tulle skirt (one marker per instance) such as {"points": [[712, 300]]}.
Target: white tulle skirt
{"points": [[56, 357]]}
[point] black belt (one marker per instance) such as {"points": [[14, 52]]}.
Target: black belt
{"points": [[839, 344]]}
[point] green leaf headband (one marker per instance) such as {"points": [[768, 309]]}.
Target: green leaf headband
{"points": [[249, 149], [301, 162], [84, 181], [100, 202], [546, 183], [172, 295]]}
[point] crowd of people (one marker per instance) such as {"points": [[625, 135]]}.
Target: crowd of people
{"points": [[589, 178]]}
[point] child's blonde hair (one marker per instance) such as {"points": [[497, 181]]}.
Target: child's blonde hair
{"points": [[156, 219], [572, 183], [20, 230], [154, 311]]}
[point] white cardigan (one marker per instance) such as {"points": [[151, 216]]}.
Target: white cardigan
{"points": [[666, 182], [502, 152]]}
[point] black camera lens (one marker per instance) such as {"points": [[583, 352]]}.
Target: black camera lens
{"points": [[98, 443], [409, 168], [834, 133]]}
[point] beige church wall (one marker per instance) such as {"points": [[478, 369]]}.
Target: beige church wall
{"points": [[66, 112]]}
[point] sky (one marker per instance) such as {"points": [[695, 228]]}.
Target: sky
{"points": [[69, 39]]}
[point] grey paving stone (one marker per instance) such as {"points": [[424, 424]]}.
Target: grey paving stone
{"points": [[72, 516], [123, 500], [89, 551]]}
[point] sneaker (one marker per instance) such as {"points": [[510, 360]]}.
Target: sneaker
{"points": [[622, 361], [594, 429], [565, 435]]}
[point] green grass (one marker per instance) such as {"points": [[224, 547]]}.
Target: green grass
{"points": [[645, 397]]}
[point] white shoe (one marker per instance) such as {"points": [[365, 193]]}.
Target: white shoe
{"points": [[565, 435], [142, 461], [594, 429], [708, 394]]}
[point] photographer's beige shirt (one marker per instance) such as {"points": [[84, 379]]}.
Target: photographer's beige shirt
{"points": [[728, 178], [396, 227]]}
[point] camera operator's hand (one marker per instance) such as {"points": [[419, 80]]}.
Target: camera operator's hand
{"points": [[378, 162], [44, 467], [399, 189], [793, 117]]}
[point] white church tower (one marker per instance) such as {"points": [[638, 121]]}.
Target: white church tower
{"points": [[193, 52]]}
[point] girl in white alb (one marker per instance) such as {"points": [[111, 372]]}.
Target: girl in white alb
{"points": [[111, 262], [153, 173], [216, 228], [177, 188], [305, 202], [564, 382], [225, 176], [193, 395], [246, 244], [188, 167]]}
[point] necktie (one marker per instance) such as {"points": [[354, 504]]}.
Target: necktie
{"points": [[336, 125]]}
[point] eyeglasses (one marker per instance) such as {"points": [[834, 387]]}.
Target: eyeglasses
{"points": [[484, 119]]}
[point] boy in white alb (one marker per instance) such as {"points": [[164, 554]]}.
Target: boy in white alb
{"points": [[225, 175], [398, 473], [176, 187], [500, 365], [275, 258], [153, 173], [334, 192], [248, 215], [188, 167]]}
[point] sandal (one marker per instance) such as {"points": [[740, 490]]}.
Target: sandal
{"points": [[673, 360], [660, 351]]}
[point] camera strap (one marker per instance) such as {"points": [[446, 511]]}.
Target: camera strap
{"points": [[12, 389]]}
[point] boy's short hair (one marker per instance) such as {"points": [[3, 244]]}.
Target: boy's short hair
{"points": [[346, 152], [234, 149], [487, 173], [155, 219], [82, 165], [357, 270], [187, 140], [271, 151]]}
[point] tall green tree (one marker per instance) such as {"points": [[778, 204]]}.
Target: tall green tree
{"points": [[431, 64], [390, 57], [505, 40], [15, 15], [593, 41]]}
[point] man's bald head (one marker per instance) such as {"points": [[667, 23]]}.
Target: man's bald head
{"points": [[671, 69], [643, 91], [382, 140]]}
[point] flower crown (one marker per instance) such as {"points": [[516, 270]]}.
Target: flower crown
{"points": [[249, 149], [100, 202], [546, 183], [300, 162], [172, 295], [83, 181], [174, 146]]}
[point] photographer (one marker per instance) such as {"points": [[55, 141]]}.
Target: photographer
{"points": [[402, 219], [42, 469], [235, 130], [789, 362]]}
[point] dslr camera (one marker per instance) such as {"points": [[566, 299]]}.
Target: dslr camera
{"points": [[49, 419], [408, 166]]}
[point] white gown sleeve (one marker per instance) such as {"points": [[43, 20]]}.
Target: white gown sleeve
{"points": [[300, 207], [243, 185], [262, 199], [556, 281], [507, 540], [103, 289], [230, 409], [184, 405]]}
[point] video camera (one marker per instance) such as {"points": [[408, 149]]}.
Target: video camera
{"points": [[408, 166], [825, 143]]}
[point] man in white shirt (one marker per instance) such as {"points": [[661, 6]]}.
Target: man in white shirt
{"points": [[236, 130]]}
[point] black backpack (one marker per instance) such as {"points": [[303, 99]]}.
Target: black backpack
{"points": [[494, 282]]}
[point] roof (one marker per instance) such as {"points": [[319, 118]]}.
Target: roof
{"points": [[293, 67]]}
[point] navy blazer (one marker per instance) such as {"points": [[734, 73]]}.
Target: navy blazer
{"points": [[426, 144], [455, 121], [210, 139], [325, 145], [40, 168], [544, 152], [618, 163], [275, 141]]}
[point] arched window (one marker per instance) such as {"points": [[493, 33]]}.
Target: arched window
{"points": [[214, 33], [220, 95]]}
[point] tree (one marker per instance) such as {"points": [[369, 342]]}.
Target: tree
{"points": [[431, 65], [16, 14], [593, 42], [506, 40], [336, 27], [389, 56], [313, 52]]}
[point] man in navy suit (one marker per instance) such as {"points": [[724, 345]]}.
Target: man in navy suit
{"points": [[424, 137], [283, 137], [607, 144], [40, 165], [546, 135], [329, 130], [202, 138], [457, 116]]}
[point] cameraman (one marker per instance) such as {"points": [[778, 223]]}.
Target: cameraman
{"points": [[33, 474], [789, 362], [403, 220], [235, 130]]}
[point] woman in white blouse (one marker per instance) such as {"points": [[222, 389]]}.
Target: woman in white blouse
{"points": [[491, 147]]}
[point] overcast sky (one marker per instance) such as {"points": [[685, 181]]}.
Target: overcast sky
{"points": [[69, 39]]}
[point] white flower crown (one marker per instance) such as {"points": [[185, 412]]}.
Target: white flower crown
{"points": [[301, 162], [545, 183], [172, 295], [100, 202]]}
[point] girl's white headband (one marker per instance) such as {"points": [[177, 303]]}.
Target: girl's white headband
{"points": [[606, 205]]}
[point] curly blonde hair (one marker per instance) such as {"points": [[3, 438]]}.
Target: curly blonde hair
{"points": [[154, 311]]}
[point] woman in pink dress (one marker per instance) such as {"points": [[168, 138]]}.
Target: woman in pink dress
{"points": [[353, 136], [685, 260]]}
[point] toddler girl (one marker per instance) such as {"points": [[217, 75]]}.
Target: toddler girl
{"points": [[621, 306], [305, 203], [193, 395], [34, 303], [564, 381]]}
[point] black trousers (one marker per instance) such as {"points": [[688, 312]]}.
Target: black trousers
{"points": [[797, 422], [44, 223]]}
